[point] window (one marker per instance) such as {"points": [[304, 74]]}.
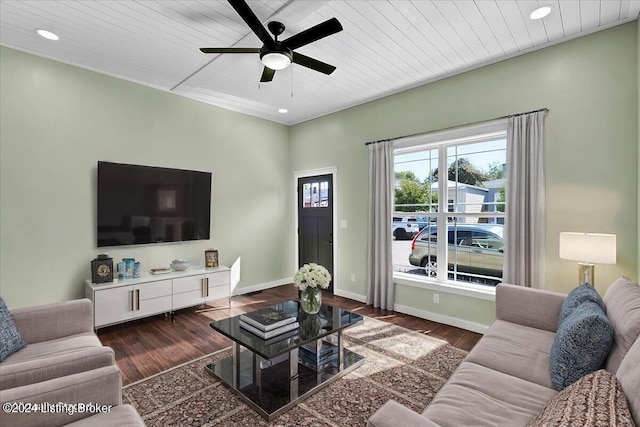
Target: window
{"points": [[315, 194], [449, 207]]}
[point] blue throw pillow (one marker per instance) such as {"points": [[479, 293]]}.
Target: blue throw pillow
{"points": [[581, 345], [576, 297], [10, 340]]}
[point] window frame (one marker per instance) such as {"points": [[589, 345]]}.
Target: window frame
{"points": [[442, 140]]}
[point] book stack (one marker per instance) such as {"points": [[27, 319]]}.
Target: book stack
{"points": [[328, 356], [269, 324]]}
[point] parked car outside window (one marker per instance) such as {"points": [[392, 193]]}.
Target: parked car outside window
{"points": [[475, 249], [404, 228]]}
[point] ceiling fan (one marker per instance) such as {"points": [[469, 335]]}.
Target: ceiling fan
{"points": [[278, 55]]}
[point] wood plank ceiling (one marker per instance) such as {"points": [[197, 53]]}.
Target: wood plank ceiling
{"points": [[387, 46]]}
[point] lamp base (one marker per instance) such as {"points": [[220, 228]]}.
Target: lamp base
{"points": [[586, 273]]}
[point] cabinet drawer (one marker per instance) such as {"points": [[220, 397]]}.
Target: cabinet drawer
{"points": [[187, 284], [187, 299], [154, 305], [217, 292], [155, 289], [217, 279]]}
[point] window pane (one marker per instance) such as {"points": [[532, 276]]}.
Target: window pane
{"points": [[476, 177], [475, 252], [306, 195]]}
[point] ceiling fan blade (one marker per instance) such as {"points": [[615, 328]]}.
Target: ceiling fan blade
{"points": [[317, 32], [267, 74], [229, 50], [314, 64], [252, 21]]}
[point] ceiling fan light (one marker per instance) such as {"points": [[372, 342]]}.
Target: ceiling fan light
{"points": [[540, 12], [276, 60]]}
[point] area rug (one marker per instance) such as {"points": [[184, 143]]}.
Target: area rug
{"points": [[407, 366]]}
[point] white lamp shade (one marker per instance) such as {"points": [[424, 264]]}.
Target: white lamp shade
{"points": [[588, 247]]}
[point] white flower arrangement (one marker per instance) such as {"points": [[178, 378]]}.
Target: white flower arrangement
{"points": [[312, 276]]}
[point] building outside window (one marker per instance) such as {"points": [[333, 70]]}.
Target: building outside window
{"points": [[453, 189]]}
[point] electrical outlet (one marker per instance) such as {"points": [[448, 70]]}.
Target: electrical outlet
{"points": [[436, 298], [353, 277]]}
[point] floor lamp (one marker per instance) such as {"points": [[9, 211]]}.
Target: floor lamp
{"points": [[588, 249]]}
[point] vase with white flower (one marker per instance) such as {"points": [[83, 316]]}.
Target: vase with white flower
{"points": [[310, 279]]}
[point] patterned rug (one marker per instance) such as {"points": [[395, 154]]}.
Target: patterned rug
{"points": [[400, 364]]}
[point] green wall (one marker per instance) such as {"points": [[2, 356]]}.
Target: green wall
{"points": [[57, 121], [591, 141]]}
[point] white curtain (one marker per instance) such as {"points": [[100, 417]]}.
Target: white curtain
{"points": [[380, 288], [524, 218]]}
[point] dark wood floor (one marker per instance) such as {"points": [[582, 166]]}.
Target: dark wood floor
{"points": [[148, 346]]}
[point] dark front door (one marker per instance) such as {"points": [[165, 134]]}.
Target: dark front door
{"points": [[315, 221]]}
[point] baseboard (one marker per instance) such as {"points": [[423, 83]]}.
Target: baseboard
{"points": [[262, 286], [350, 295], [441, 318]]}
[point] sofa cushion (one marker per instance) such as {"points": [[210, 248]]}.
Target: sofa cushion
{"points": [[10, 340], [507, 347], [629, 376], [581, 345], [622, 302], [576, 297], [100, 387], [56, 358], [478, 396], [592, 399]]}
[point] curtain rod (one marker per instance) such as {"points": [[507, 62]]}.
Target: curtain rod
{"points": [[546, 110]]}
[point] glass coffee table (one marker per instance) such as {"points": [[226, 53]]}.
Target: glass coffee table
{"points": [[268, 374]]}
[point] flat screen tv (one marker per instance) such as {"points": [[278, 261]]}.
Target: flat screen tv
{"points": [[147, 204]]}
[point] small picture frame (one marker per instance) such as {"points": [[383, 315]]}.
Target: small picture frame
{"points": [[211, 258]]}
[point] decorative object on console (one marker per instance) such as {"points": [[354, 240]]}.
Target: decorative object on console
{"points": [[137, 267], [102, 269], [309, 279], [129, 263], [588, 249], [120, 270], [180, 264], [210, 258]]}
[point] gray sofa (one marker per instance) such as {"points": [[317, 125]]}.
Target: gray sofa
{"points": [[506, 380], [63, 361]]}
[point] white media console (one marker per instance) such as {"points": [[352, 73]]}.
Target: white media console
{"points": [[127, 299]]}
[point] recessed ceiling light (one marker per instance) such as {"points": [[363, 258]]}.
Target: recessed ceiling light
{"points": [[47, 34], [283, 110], [540, 12]]}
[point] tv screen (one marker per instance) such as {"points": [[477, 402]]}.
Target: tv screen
{"points": [[146, 204]]}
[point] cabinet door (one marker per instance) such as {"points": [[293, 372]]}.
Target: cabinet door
{"points": [[218, 285], [187, 284], [113, 305], [153, 298]]}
